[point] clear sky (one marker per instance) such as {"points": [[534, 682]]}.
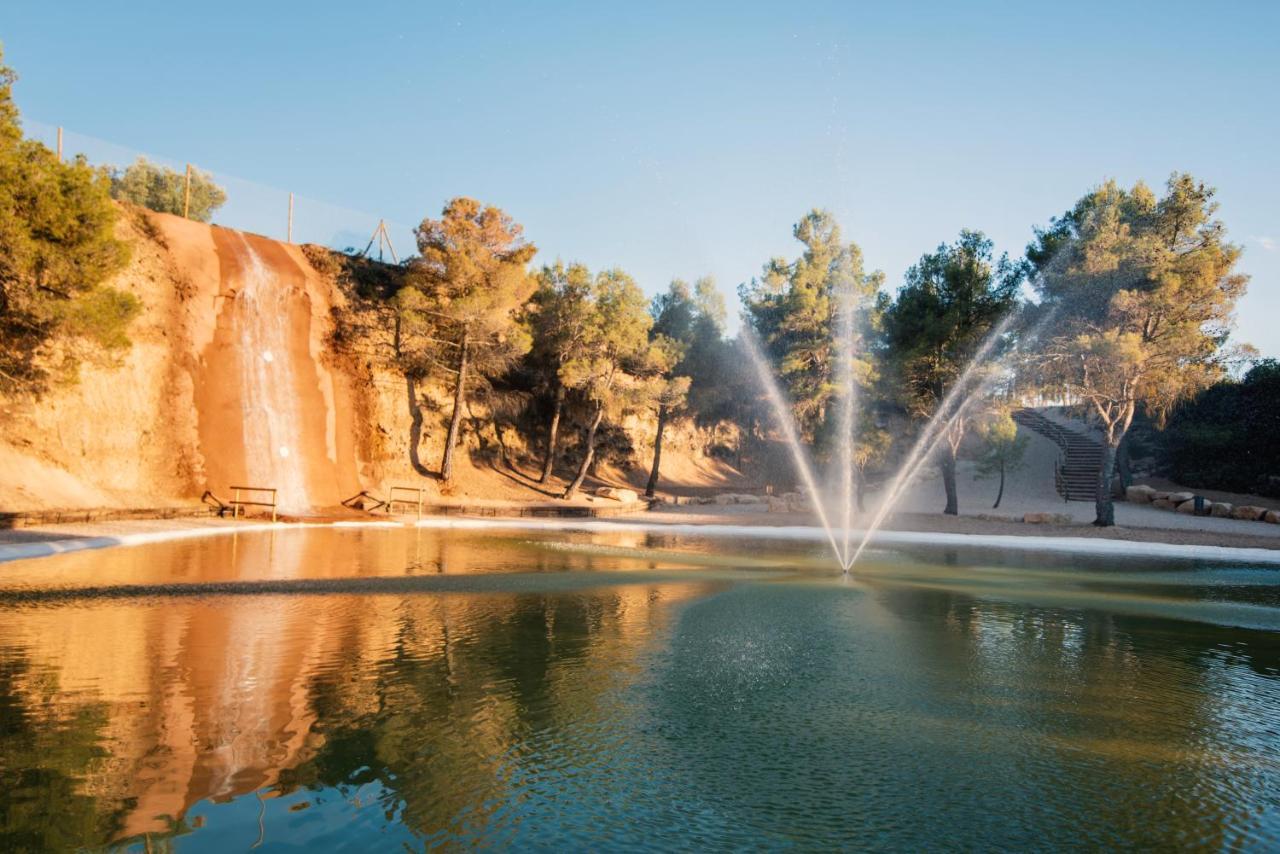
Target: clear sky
{"points": [[683, 139]]}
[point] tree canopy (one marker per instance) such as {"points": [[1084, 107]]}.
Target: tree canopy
{"points": [[160, 188], [951, 302], [793, 307], [57, 249], [1142, 291], [458, 308]]}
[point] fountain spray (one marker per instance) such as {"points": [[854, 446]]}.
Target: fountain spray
{"points": [[782, 413]]}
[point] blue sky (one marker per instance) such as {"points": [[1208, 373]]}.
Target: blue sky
{"points": [[677, 139]]}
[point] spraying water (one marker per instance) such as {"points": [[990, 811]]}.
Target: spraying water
{"points": [[782, 414], [951, 410], [846, 421], [271, 405]]}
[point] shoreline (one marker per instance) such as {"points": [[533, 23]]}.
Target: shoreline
{"points": [[742, 521]]}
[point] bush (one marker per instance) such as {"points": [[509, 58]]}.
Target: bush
{"points": [[57, 248], [162, 189], [1226, 437]]}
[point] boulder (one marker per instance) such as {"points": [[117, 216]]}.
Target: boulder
{"points": [[1163, 504], [1272, 516], [1248, 512], [778, 505], [749, 499], [1047, 518], [626, 496], [725, 499], [1139, 494], [1220, 509], [1187, 507], [1179, 497], [1160, 495]]}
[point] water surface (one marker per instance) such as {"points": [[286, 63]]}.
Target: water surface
{"points": [[359, 688]]}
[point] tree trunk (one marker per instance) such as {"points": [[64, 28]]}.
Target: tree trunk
{"points": [[553, 435], [1104, 503], [949, 480], [588, 456], [455, 421], [1000, 491], [1123, 467], [652, 487]]}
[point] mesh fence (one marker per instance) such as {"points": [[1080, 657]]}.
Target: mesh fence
{"points": [[252, 206]]}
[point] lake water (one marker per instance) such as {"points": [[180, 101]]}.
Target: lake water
{"points": [[380, 688]]}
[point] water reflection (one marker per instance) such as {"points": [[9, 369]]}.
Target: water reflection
{"points": [[627, 709]]}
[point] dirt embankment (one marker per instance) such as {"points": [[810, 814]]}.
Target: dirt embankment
{"points": [[186, 408]]}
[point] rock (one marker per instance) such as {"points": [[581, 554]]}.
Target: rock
{"points": [[1158, 495], [778, 505], [725, 499], [1272, 516], [1248, 512], [749, 499], [1220, 509], [626, 496], [1179, 497], [1187, 507], [1047, 518], [792, 496], [1163, 504], [1140, 494]]}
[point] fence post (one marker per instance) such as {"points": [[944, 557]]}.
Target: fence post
{"points": [[59, 143], [289, 239], [186, 195]]}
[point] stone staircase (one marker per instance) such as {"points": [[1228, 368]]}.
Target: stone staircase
{"points": [[1076, 475]]}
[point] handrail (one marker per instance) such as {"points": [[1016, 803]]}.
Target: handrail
{"points": [[238, 503], [417, 491]]}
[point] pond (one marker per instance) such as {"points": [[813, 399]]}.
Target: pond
{"points": [[378, 688]]}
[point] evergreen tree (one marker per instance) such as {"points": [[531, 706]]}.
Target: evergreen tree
{"points": [[559, 322], [1003, 450], [618, 340], [1142, 291], [461, 299], [952, 300], [57, 248], [793, 307]]}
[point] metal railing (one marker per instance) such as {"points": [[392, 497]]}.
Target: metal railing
{"points": [[418, 494], [237, 503]]}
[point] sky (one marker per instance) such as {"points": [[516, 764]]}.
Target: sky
{"points": [[682, 139]]}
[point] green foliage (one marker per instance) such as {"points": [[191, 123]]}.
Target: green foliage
{"points": [[616, 339], [1142, 292], [159, 188], [1225, 437], [465, 291], [952, 300], [560, 315], [57, 247], [1003, 450], [793, 308]]}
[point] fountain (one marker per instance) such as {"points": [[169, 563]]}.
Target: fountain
{"points": [[972, 383]]}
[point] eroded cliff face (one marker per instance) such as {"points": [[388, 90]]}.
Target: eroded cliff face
{"points": [[256, 363], [227, 384]]}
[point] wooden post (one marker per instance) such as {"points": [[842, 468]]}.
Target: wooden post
{"points": [[59, 144], [289, 239], [186, 195]]}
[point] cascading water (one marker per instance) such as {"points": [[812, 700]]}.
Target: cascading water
{"points": [[270, 399]]}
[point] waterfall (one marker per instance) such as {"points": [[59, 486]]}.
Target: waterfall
{"points": [[271, 416]]}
